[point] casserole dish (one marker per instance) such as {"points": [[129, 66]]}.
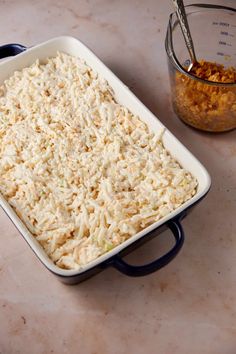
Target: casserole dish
{"points": [[123, 96]]}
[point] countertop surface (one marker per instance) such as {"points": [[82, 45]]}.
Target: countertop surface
{"points": [[187, 307]]}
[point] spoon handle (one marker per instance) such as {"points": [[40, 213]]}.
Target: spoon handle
{"points": [[182, 17]]}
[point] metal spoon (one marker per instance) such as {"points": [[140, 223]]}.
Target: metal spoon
{"points": [[182, 17]]}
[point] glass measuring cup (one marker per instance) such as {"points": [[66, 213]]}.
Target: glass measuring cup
{"points": [[203, 104]]}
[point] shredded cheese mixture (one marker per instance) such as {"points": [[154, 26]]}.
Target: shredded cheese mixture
{"points": [[80, 170], [203, 106]]}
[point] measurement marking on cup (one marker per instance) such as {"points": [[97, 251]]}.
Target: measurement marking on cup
{"points": [[224, 24], [225, 43], [227, 57], [225, 33]]}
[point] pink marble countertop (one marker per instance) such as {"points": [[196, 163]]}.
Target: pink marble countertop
{"points": [[187, 307]]}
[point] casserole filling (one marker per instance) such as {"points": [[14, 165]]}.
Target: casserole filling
{"points": [[80, 170]]}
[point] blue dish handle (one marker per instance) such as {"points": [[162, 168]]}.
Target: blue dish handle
{"points": [[9, 50], [138, 271]]}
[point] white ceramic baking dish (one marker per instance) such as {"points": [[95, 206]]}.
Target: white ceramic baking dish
{"points": [[25, 57]]}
